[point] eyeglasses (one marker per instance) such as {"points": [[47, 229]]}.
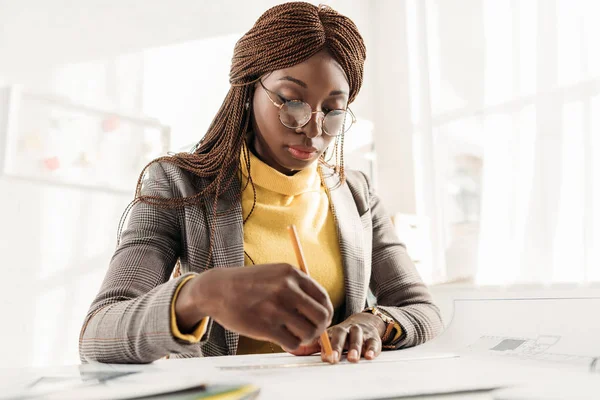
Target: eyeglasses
{"points": [[295, 114]]}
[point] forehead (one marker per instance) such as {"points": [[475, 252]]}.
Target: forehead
{"points": [[319, 71]]}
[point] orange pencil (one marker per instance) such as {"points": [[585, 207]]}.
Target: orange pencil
{"points": [[304, 268]]}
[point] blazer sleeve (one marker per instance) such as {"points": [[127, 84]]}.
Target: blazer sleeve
{"points": [[396, 284], [129, 321]]}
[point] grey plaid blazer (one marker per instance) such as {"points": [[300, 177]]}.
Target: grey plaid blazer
{"points": [[129, 320]]}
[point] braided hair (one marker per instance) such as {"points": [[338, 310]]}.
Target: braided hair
{"points": [[284, 36]]}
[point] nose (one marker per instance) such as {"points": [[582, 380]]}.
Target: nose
{"points": [[314, 127]]}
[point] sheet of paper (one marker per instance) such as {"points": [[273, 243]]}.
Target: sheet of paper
{"points": [[489, 343], [104, 381], [395, 374], [552, 341], [554, 385], [553, 330], [374, 380], [280, 361]]}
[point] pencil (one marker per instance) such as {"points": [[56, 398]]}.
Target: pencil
{"points": [[302, 264]]}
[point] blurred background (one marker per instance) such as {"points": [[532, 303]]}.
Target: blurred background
{"points": [[479, 124]]}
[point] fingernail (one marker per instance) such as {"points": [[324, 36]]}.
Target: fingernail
{"points": [[335, 356], [370, 354], [353, 355]]}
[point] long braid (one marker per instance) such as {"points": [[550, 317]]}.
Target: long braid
{"points": [[283, 36]]}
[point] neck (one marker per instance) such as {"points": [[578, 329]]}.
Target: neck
{"points": [[260, 149]]}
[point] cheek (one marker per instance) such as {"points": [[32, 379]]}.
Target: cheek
{"points": [[266, 119], [268, 126], [329, 141]]}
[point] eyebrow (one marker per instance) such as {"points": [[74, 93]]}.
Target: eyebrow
{"points": [[296, 81], [305, 86], [338, 92]]}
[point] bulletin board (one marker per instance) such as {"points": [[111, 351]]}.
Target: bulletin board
{"points": [[57, 141]]}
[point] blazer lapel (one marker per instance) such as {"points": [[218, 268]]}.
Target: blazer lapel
{"points": [[228, 240], [350, 237]]}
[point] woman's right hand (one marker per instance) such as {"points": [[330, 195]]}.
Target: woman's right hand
{"points": [[270, 302]]}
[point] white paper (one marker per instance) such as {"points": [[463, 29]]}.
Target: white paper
{"points": [[551, 342], [375, 380], [89, 382], [515, 344], [285, 361], [554, 385], [545, 329]]}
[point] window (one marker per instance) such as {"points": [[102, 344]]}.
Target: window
{"points": [[510, 131]]}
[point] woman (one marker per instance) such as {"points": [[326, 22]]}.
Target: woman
{"points": [[221, 212]]}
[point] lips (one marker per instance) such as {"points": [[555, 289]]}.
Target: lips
{"points": [[302, 152]]}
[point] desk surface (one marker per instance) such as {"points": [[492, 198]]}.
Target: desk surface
{"points": [[459, 396], [395, 375]]}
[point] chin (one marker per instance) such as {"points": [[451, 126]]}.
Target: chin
{"points": [[289, 162]]}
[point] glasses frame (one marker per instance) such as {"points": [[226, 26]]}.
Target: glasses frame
{"points": [[280, 107]]}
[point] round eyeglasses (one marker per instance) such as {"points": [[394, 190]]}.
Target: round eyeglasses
{"points": [[296, 114]]}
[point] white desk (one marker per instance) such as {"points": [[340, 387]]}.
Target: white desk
{"points": [[490, 344]]}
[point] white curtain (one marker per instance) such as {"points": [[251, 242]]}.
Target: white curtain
{"points": [[510, 133]]}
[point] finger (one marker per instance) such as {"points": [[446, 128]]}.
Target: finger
{"points": [[372, 348], [300, 303], [299, 326], [332, 356], [318, 293], [305, 350], [283, 337], [355, 343], [338, 336]]}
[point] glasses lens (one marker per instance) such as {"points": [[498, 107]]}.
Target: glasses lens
{"points": [[337, 122], [295, 114]]}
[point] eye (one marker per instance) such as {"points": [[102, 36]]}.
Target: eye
{"points": [[332, 107], [283, 99]]}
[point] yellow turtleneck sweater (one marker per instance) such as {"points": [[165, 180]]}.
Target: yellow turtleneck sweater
{"points": [[281, 201]]}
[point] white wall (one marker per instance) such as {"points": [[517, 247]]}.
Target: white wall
{"points": [[391, 106], [55, 245], [44, 32]]}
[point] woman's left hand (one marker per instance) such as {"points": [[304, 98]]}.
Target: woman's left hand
{"points": [[360, 335]]}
